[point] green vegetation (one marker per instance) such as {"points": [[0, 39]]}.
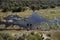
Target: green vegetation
{"points": [[37, 4], [10, 38], [48, 39], [24, 36], [45, 8], [34, 37], [4, 35], [49, 14], [29, 35], [20, 7], [55, 35]]}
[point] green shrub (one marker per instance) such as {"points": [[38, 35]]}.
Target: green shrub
{"points": [[4, 35], [33, 8], [4, 10], [44, 6], [10, 38], [17, 9], [47, 39], [1, 38], [55, 35], [21, 38], [34, 37], [52, 6]]}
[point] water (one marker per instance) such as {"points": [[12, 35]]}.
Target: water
{"points": [[33, 19]]}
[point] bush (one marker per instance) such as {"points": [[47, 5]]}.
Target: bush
{"points": [[20, 38], [55, 35], [4, 35], [44, 6], [33, 8], [52, 6], [47, 39], [23, 9], [1, 38], [58, 4], [32, 33], [49, 35], [34, 37], [4, 10], [17, 9], [10, 38]]}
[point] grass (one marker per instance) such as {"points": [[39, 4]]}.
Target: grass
{"points": [[46, 13], [21, 14], [50, 13]]}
